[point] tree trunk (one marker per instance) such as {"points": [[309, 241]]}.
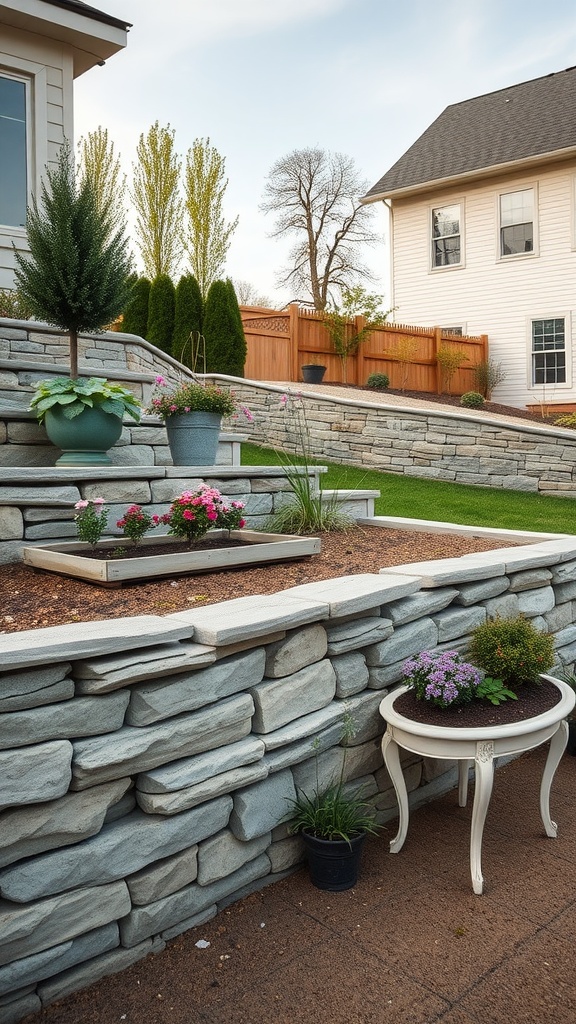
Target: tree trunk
{"points": [[73, 354]]}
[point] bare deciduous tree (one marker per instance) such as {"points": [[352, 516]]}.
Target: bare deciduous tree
{"points": [[155, 194], [207, 237], [248, 295], [315, 195]]}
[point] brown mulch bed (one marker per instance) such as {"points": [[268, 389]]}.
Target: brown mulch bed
{"points": [[32, 598], [432, 398]]}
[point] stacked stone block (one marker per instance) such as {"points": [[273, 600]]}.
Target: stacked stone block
{"points": [[147, 764]]}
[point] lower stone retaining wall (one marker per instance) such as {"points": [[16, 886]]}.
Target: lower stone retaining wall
{"points": [[147, 764], [461, 447]]}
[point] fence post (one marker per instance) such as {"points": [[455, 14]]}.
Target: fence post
{"points": [[294, 324], [359, 324], [436, 346], [484, 338]]}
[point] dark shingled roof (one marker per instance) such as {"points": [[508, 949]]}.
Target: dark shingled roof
{"points": [[89, 12], [522, 121]]}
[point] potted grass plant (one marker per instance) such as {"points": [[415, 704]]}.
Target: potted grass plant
{"points": [[333, 822], [76, 277]]}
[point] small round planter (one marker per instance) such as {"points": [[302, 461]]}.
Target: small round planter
{"points": [[313, 373], [84, 440], [333, 863], [193, 438]]}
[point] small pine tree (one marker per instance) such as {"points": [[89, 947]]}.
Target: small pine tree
{"points": [[161, 313], [225, 341], [76, 274], [135, 320], [188, 315]]}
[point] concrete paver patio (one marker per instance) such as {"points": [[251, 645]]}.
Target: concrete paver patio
{"points": [[410, 944]]}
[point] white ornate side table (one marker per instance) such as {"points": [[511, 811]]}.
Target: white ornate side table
{"points": [[478, 747]]}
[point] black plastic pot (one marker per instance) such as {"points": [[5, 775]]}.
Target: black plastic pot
{"points": [[333, 863], [313, 373], [571, 747]]}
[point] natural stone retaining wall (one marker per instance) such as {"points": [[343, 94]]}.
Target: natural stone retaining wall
{"points": [[460, 447], [146, 764], [38, 506]]}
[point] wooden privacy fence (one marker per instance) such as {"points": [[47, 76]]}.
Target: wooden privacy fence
{"points": [[280, 342]]}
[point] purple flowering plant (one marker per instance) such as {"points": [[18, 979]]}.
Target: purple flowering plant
{"points": [[443, 679]]}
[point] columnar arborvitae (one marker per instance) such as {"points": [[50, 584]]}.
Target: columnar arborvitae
{"points": [[188, 316], [225, 341], [135, 320], [75, 276], [161, 313]]}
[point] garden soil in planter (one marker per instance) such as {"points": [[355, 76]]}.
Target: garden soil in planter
{"points": [[533, 699]]}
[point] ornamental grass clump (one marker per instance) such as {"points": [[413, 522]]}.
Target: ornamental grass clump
{"points": [[445, 679], [512, 650], [195, 512], [338, 812]]}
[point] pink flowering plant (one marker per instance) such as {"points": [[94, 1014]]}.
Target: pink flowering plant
{"points": [[195, 512], [91, 518], [136, 522], [444, 680], [193, 396]]}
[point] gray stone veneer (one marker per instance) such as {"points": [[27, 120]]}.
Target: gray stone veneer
{"points": [[147, 764], [458, 446]]}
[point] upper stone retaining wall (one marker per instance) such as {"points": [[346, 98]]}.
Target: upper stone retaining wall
{"points": [[147, 764], [459, 447], [39, 507]]}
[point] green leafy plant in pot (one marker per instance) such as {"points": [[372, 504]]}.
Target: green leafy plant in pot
{"points": [[76, 278], [333, 823]]}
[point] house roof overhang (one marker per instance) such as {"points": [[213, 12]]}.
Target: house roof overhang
{"points": [[90, 34], [470, 177]]}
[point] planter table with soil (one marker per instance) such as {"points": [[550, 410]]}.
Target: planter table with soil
{"points": [[165, 556], [477, 745]]}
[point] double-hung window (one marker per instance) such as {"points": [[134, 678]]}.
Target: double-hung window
{"points": [[517, 222], [13, 162], [549, 351], [446, 236]]}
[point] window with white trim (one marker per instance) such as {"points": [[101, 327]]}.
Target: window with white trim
{"points": [[13, 165], [549, 351], [446, 236], [517, 222]]}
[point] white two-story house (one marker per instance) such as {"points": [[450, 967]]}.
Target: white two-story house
{"points": [[482, 215], [44, 46]]}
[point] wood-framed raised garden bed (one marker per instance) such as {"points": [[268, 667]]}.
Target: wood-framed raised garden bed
{"points": [[249, 548]]}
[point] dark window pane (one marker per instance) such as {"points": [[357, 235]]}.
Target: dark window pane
{"points": [[446, 251], [13, 185], [516, 239]]}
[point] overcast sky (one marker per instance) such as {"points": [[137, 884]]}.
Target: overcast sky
{"points": [[264, 77]]}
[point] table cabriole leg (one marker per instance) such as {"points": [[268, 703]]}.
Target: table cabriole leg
{"points": [[484, 779], [391, 755], [557, 747], [463, 769]]}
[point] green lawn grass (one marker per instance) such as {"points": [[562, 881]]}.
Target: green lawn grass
{"points": [[439, 501]]}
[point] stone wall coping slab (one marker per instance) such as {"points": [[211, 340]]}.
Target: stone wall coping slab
{"points": [[86, 639], [357, 593], [251, 616]]}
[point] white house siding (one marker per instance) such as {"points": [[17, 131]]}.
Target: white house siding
{"points": [[489, 295], [50, 116]]}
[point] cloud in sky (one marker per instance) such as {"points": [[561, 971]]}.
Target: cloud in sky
{"points": [[265, 77]]}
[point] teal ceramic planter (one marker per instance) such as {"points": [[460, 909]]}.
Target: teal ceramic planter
{"points": [[193, 438], [84, 440]]}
